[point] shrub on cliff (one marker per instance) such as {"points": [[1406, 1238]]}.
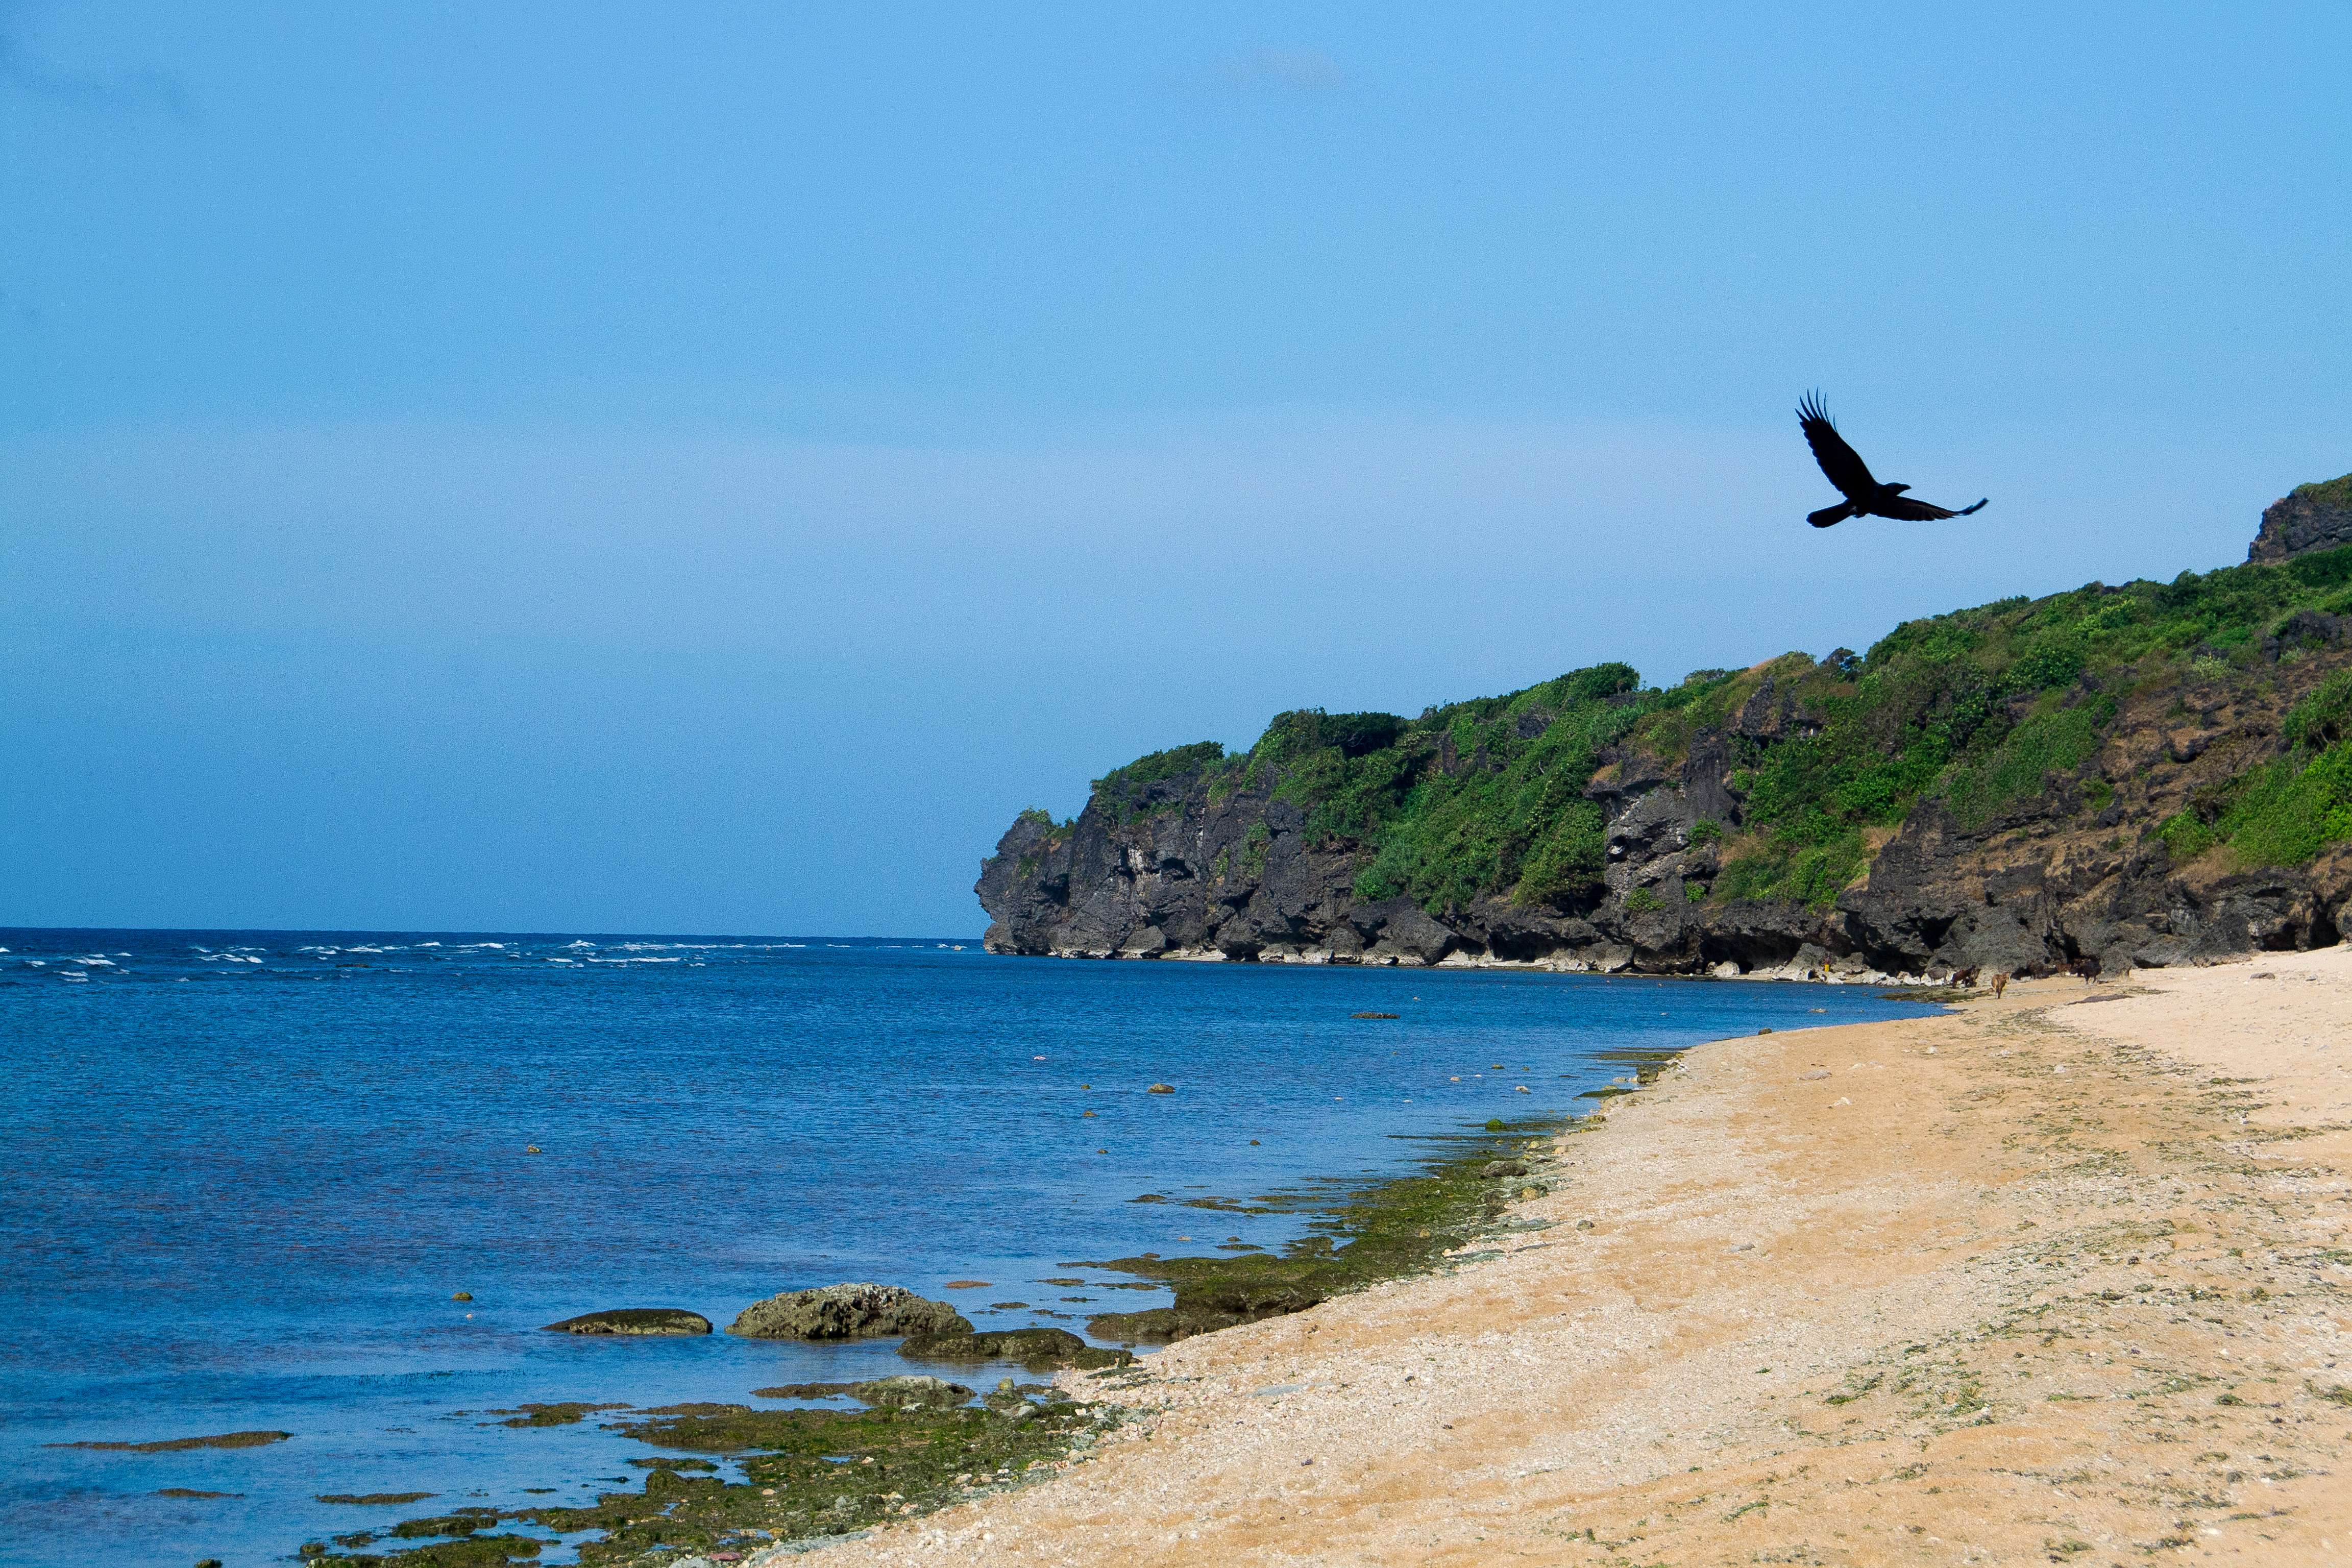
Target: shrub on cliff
{"points": [[1121, 791]]}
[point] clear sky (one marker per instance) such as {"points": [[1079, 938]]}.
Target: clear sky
{"points": [[705, 467]]}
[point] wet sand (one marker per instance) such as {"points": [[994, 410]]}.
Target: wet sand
{"points": [[2064, 1276]]}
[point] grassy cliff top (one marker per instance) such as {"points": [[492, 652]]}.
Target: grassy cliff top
{"points": [[2327, 493]]}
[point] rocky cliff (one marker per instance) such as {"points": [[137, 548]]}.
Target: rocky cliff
{"points": [[2148, 774], [2309, 517]]}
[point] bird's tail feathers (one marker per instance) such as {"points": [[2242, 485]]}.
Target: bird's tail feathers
{"points": [[1830, 516], [1979, 507]]}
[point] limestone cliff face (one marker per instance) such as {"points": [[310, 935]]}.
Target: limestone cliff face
{"points": [[2078, 873]]}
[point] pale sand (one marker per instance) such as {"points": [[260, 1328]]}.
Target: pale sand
{"points": [[2075, 1269]]}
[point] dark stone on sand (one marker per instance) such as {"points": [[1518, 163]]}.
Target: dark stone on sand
{"points": [[1496, 1168], [635, 1320], [1032, 1347], [910, 1390], [175, 1445], [850, 1311]]}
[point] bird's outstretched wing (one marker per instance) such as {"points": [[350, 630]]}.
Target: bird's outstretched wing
{"points": [[1906, 508], [1841, 462]]}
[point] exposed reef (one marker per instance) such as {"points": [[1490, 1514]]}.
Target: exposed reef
{"points": [[850, 1311], [178, 1445], [807, 1474], [635, 1320], [1388, 1229]]}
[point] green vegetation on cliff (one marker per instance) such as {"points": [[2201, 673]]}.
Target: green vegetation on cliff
{"points": [[1987, 709], [2337, 491]]}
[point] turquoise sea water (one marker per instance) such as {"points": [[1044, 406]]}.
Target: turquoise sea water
{"points": [[248, 1171]]}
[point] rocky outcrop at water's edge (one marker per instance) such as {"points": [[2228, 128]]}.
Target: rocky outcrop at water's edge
{"points": [[2079, 864], [850, 1311]]}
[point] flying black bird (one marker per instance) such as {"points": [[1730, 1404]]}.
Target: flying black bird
{"points": [[1864, 496]]}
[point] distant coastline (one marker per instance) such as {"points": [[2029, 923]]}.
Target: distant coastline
{"points": [[2118, 778]]}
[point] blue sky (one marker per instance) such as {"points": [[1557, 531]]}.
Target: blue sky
{"points": [[705, 468]]}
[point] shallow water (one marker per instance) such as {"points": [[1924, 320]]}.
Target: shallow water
{"points": [[248, 1174]]}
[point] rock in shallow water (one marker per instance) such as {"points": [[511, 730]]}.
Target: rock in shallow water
{"points": [[635, 1320], [1031, 1347], [852, 1311], [912, 1391]]}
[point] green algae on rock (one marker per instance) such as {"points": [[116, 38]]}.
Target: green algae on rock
{"points": [[468, 1552], [808, 1474], [176, 1445], [850, 1311], [1033, 1347], [564, 1413], [910, 1390], [635, 1320], [1401, 1226]]}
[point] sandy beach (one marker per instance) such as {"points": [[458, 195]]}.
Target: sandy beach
{"points": [[2062, 1277]]}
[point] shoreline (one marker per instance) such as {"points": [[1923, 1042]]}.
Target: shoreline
{"points": [[2028, 1280], [1825, 970]]}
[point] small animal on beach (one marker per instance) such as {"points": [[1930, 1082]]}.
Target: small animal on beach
{"points": [[1864, 495], [2000, 984]]}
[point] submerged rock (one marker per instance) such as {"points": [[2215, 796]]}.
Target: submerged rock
{"points": [[1031, 1347], [176, 1445], [910, 1390], [635, 1320], [851, 1311]]}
